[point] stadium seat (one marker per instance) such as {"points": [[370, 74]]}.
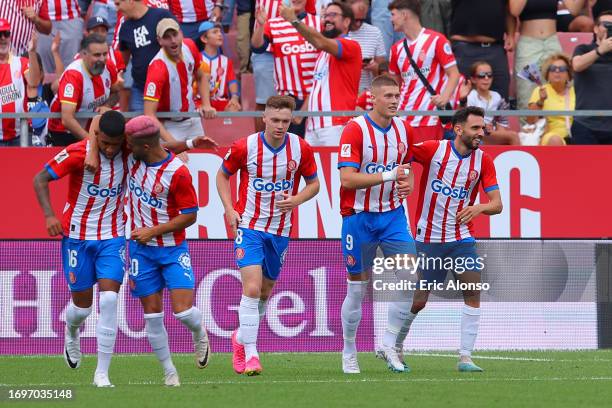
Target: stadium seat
{"points": [[569, 41], [226, 130]]}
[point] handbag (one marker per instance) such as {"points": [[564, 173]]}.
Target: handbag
{"points": [[426, 84]]}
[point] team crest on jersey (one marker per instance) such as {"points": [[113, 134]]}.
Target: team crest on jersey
{"points": [[421, 56], [185, 261], [69, 91], [151, 88], [158, 188], [61, 156], [473, 175], [239, 253], [350, 260], [447, 49], [401, 147], [72, 277], [291, 165], [122, 254], [227, 155], [345, 150], [107, 83]]}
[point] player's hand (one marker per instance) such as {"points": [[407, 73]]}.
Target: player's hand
{"points": [[404, 184], [184, 157], [233, 220], [605, 46], [54, 226], [203, 142], [288, 203], [92, 162], [55, 44], [233, 105], [208, 112], [261, 16], [439, 100], [29, 13], [372, 66], [142, 235], [468, 213], [298, 119], [288, 13]]}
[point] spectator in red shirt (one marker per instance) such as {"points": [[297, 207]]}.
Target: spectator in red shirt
{"points": [[25, 16]]}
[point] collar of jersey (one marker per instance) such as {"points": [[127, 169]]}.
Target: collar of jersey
{"points": [[452, 143], [211, 57], [159, 163], [384, 131], [273, 150]]}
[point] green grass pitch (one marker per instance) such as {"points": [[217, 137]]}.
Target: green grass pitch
{"points": [[511, 379]]}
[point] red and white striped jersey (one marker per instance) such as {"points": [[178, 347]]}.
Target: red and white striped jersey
{"points": [[266, 173], [78, 87], [294, 57], [449, 182], [366, 101], [221, 71], [64, 9], [21, 27], [433, 55], [159, 192], [94, 208], [336, 84], [271, 7], [12, 94], [190, 11], [371, 149], [170, 83]]}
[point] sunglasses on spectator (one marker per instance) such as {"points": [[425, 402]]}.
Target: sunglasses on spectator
{"points": [[331, 14], [483, 75], [5, 34], [558, 68]]}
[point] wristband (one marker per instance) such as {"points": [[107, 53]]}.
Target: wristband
{"points": [[189, 144], [296, 22], [390, 175]]}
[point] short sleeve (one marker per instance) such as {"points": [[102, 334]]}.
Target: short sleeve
{"points": [[70, 88], [235, 158], [349, 50], [488, 177], [71, 159], [157, 76], [308, 165], [362, 100], [43, 12], [424, 151], [444, 53], [351, 146], [182, 192], [393, 61], [582, 49]]}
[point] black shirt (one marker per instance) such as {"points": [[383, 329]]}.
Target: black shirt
{"points": [[601, 6], [594, 89], [539, 9], [479, 17]]}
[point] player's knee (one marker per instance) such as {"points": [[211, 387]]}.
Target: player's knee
{"points": [[252, 290]]}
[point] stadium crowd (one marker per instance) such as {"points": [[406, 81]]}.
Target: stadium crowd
{"points": [[222, 55]]}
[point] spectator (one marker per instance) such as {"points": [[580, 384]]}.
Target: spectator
{"points": [[25, 17], [14, 76], [39, 95], [108, 11], [365, 101], [592, 65], [169, 83], [431, 52], [66, 19], [381, 18], [567, 23], [599, 6], [538, 37], [436, 15], [294, 57], [223, 86], [557, 94], [496, 130], [244, 12], [137, 40], [87, 85], [337, 71], [99, 25], [191, 13], [370, 38], [483, 30]]}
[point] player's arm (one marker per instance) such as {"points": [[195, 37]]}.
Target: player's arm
{"points": [[203, 81], [178, 223], [150, 109], [70, 122], [223, 189], [352, 179], [318, 40], [200, 142], [289, 202], [92, 157], [494, 206], [41, 187]]}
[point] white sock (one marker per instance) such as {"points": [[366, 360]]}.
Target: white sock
{"points": [[158, 339], [192, 319], [403, 333], [248, 314], [75, 316], [106, 330], [470, 319], [351, 314], [262, 308], [397, 316]]}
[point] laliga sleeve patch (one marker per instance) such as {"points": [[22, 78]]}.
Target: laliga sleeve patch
{"points": [[69, 91], [447, 49], [345, 150], [61, 156], [151, 88], [227, 155]]}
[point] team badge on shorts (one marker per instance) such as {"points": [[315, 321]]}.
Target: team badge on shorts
{"points": [[473, 175], [185, 260], [239, 253], [291, 165], [350, 260], [158, 188], [72, 277], [122, 254]]}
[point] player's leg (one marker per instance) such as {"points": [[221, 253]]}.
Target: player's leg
{"points": [[354, 237], [110, 268], [146, 283], [179, 279], [80, 275]]}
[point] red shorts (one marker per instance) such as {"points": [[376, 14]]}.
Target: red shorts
{"points": [[219, 104], [423, 133]]}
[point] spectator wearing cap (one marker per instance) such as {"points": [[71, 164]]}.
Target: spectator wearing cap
{"points": [[108, 11], [99, 25], [169, 83], [137, 41], [25, 17], [14, 77], [223, 87], [370, 38]]}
